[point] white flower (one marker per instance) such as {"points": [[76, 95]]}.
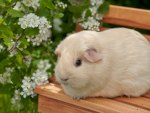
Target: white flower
{"points": [[32, 20], [61, 4], [40, 77], [96, 2], [16, 98], [31, 3], [29, 20], [19, 7], [44, 65], [57, 22], [44, 23], [6, 76], [27, 60], [91, 24], [93, 10], [38, 39], [27, 87]]}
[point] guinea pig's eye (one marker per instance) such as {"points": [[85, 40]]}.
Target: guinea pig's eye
{"points": [[78, 62]]}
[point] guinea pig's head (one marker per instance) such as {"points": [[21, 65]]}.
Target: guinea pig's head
{"points": [[78, 56]]}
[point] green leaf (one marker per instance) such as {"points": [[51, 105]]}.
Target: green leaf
{"points": [[14, 13], [88, 13], [77, 10], [6, 34], [7, 40], [58, 15], [24, 43], [2, 3], [6, 31], [104, 8], [44, 12], [19, 58], [48, 4], [31, 31], [3, 64], [1, 20], [5, 89]]}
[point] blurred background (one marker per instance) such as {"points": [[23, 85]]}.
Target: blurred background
{"points": [[144, 4]]}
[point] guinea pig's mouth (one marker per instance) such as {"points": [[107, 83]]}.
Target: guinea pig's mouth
{"points": [[62, 81]]}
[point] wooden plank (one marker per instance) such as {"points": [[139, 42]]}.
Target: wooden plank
{"points": [[55, 92], [93, 104], [125, 16], [48, 105], [119, 107], [141, 102]]}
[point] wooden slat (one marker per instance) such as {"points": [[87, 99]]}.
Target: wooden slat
{"points": [[125, 16], [141, 102], [94, 104], [48, 105]]}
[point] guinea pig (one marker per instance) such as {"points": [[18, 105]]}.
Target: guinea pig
{"points": [[108, 64]]}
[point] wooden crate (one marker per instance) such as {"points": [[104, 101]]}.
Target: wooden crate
{"points": [[51, 98]]}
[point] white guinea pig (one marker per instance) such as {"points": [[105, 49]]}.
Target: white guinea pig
{"points": [[110, 63]]}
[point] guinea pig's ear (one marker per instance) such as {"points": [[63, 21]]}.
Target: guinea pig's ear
{"points": [[92, 55]]}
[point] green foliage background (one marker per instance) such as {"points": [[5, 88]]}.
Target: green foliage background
{"points": [[144, 4]]}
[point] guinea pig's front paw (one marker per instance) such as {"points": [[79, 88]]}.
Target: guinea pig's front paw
{"points": [[78, 97]]}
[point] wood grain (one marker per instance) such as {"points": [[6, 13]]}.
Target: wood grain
{"points": [[48, 105], [125, 16], [52, 92]]}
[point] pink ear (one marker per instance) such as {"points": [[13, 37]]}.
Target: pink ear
{"points": [[92, 55]]}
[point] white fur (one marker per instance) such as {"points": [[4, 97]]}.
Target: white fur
{"points": [[123, 70]]}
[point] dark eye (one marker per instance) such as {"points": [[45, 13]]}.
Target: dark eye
{"points": [[78, 62]]}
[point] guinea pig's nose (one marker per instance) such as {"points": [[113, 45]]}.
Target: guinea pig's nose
{"points": [[64, 79]]}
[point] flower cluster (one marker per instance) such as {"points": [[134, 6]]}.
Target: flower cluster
{"points": [[92, 22], [44, 65], [29, 20], [6, 76], [39, 77], [61, 4], [35, 4], [27, 60], [16, 99], [32, 21], [31, 3], [27, 87], [56, 24], [96, 2], [18, 6]]}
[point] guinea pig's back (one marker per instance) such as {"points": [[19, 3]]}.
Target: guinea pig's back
{"points": [[128, 52]]}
